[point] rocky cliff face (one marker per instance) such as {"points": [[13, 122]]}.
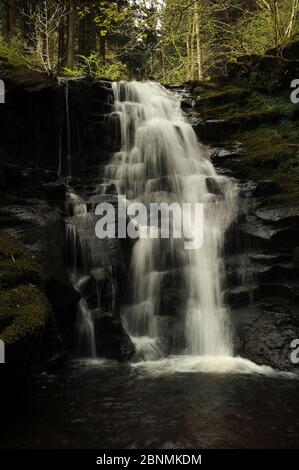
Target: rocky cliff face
{"points": [[44, 124], [261, 286], [251, 125], [36, 131]]}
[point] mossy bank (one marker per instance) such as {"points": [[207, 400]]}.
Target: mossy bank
{"points": [[252, 106], [27, 324]]}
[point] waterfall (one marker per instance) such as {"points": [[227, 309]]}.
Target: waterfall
{"points": [[65, 125], [79, 225], [68, 129], [161, 160]]}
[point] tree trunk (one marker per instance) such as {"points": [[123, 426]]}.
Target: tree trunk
{"points": [[103, 49], [71, 35], [11, 16], [192, 58], [199, 54], [292, 21], [61, 44], [83, 36]]}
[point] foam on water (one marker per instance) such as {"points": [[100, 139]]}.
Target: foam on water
{"points": [[206, 364]]}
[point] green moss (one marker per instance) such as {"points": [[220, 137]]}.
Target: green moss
{"points": [[223, 96], [29, 312], [272, 152], [24, 309], [16, 265], [228, 101], [267, 126]]}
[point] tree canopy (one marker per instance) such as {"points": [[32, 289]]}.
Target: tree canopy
{"points": [[166, 40]]}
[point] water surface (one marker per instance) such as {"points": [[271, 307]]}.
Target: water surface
{"points": [[173, 404]]}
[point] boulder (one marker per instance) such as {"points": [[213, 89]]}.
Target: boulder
{"points": [[112, 341], [266, 188]]}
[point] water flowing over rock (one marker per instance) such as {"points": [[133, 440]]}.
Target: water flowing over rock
{"points": [[160, 160], [94, 272]]}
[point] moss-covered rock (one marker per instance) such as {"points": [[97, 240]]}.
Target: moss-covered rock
{"points": [[27, 324], [28, 311], [226, 95], [264, 121], [270, 72], [16, 265]]}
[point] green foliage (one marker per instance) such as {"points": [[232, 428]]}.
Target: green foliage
{"points": [[93, 66], [109, 16], [75, 72], [162, 40], [12, 51]]}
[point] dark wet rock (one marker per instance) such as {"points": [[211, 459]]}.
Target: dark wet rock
{"points": [[111, 189], [273, 290], [265, 337], [213, 186], [285, 238], [254, 69], [11, 176], [27, 323], [264, 332], [256, 234], [295, 260], [172, 330], [30, 135], [39, 225], [275, 273], [173, 293], [266, 259], [56, 362], [55, 190], [220, 154], [266, 188], [177, 87], [232, 278], [187, 104], [111, 339], [237, 297], [173, 302], [64, 299], [218, 130], [250, 235], [280, 216]]}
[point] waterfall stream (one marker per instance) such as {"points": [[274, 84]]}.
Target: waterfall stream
{"points": [[161, 160], [79, 224], [65, 168]]}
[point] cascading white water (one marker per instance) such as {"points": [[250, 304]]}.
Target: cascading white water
{"points": [[68, 129], [65, 83], [161, 161], [78, 225]]}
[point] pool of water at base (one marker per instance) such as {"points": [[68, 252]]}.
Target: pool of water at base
{"points": [[106, 405]]}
